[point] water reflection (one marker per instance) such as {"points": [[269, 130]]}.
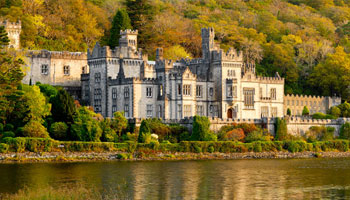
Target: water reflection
{"points": [[234, 179]]}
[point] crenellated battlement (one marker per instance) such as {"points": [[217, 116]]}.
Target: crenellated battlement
{"points": [[58, 55], [11, 25], [128, 31], [270, 79], [303, 96]]}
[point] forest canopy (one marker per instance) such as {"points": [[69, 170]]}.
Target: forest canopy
{"points": [[307, 42]]}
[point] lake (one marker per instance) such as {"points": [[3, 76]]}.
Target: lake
{"points": [[327, 178]]}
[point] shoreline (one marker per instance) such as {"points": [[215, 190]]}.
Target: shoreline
{"points": [[47, 157]]}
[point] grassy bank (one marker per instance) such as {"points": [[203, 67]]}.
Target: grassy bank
{"points": [[39, 149]]}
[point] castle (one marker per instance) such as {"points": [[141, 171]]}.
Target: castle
{"points": [[219, 84]]}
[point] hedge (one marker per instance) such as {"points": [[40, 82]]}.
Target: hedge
{"points": [[21, 144]]}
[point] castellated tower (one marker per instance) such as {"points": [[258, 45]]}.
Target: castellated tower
{"points": [[14, 31], [208, 35], [128, 38]]}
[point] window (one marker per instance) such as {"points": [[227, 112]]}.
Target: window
{"points": [[231, 73], [97, 100], [149, 91], [179, 111], [44, 69], [160, 114], [97, 77], [287, 102], [114, 93], [66, 70], [297, 103], [114, 109], [199, 91], [199, 110], [84, 70], [264, 111], [211, 91], [126, 92], [248, 98], [160, 90], [187, 111], [274, 112], [260, 92], [149, 110], [273, 93], [211, 109], [187, 90], [229, 91], [179, 89], [126, 110], [234, 91]]}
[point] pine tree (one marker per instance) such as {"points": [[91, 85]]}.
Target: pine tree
{"points": [[4, 40], [121, 21], [140, 11], [305, 111], [63, 107], [281, 129]]}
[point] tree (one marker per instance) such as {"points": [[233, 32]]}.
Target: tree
{"points": [[63, 107], [35, 129], [332, 76], [144, 129], [121, 21], [281, 129], [335, 111], [345, 109], [36, 104], [201, 129], [11, 75], [289, 112], [119, 123], [85, 126], [108, 133], [4, 40], [305, 111], [176, 53], [345, 131], [140, 11], [58, 131]]}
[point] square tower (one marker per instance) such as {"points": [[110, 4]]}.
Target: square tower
{"points": [[13, 30], [208, 45], [128, 38]]}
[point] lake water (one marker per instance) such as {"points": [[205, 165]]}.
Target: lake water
{"points": [[214, 179]]}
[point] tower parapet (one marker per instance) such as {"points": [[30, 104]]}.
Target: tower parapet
{"points": [[128, 38], [13, 30]]}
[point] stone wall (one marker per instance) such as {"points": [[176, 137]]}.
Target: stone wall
{"points": [[296, 125]]}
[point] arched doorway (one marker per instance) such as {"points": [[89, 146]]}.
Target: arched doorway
{"points": [[229, 113]]}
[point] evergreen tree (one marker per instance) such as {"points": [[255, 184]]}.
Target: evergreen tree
{"points": [[305, 111], [11, 75], [201, 129], [289, 112], [144, 129], [140, 11], [121, 21], [4, 40], [281, 129], [63, 107]]}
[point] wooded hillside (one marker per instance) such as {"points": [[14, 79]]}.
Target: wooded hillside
{"points": [[307, 42]]}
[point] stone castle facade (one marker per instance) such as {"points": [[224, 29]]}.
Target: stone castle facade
{"points": [[315, 104], [219, 84], [58, 68], [13, 30]]}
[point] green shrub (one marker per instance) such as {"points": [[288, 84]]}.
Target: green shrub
{"points": [[124, 156], [58, 130], [335, 111], [131, 146], [39, 144], [319, 115], [211, 149], [318, 133], [9, 127], [345, 131], [201, 131], [257, 136], [35, 129], [281, 129], [257, 146], [121, 146], [4, 148], [295, 146], [15, 144], [289, 112], [8, 134], [1, 128], [305, 111]]}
